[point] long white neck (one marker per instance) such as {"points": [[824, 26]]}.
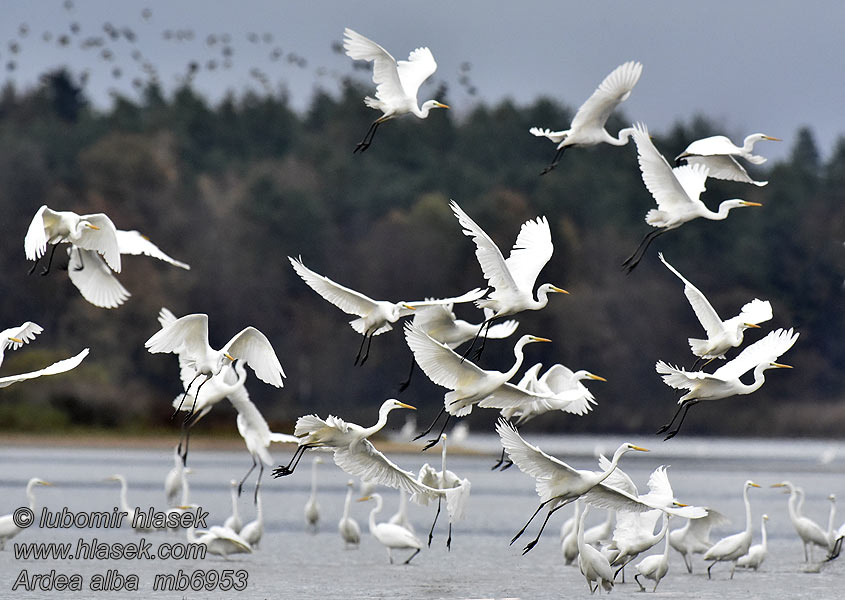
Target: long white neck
{"points": [[185, 489], [519, 356], [831, 517], [259, 509], [443, 458], [763, 532], [621, 138], [346, 503], [124, 502], [759, 380], [579, 535], [375, 511], [666, 547], [747, 510], [30, 494], [616, 456], [382, 421], [664, 529], [722, 214], [314, 480], [234, 494]]}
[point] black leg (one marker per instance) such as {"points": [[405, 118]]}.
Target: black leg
{"points": [[251, 469], [437, 439], [50, 261], [449, 539], [404, 385], [695, 364], [675, 431], [481, 327], [32, 270], [632, 261], [430, 427], [499, 462], [412, 556], [672, 420], [524, 527], [184, 395], [81, 263], [533, 542], [360, 349], [283, 470], [437, 514], [258, 483], [368, 137], [367, 353], [555, 160]]}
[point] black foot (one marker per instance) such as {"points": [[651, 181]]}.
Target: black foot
{"points": [[507, 465], [430, 444], [281, 471], [529, 547]]}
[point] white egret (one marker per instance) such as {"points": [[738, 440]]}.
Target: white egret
{"points": [[312, 507], [732, 547], [397, 82], [173, 479], [96, 282], [719, 154], [390, 535], [124, 502], [443, 480], [676, 192], [721, 335], [188, 337], [561, 389], [8, 525], [656, 566], [254, 530], [234, 521], [15, 337], [468, 384], [400, 517], [219, 540], [588, 124], [557, 483], [512, 279], [441, 324], [60, 366], [90, 232], [694, 537], [348, 527], [756, 553], [835, 546], [376, 316], [831, 531], [592, 563], [254, 430], [809, 531], [725, 381]]}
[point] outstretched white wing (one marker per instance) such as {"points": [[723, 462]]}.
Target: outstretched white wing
{"points": [[102, 240], [493, 264], [724, 167], [134, 242], [347, 300], [756, 311], [25, 333], [385, 75], [530, 253], [35, 241], [186, 336], [439, 362], [764, 350], [57, 367], [510, 396], [94, 280], [614, 89], [705, 312], [414, 71], [253, 347], [470, 296]]}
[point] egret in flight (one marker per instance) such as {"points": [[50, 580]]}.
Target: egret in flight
{"points": [[512, 279], [676, 192], [375, 316], [719, 155], [397, 82], [587, 127], [721, 335], [91, 232], [188, 337], [725, 381], [15, 337]]}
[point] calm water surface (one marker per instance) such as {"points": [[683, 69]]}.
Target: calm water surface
{"points": [[292, 563]]}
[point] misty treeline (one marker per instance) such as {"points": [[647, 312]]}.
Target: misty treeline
{"points": [[236, 188]]}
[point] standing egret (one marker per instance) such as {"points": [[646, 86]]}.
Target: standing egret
{"points": [[188, 337], [835, 546], [676, 192], [831, 531], [656, 566], [8, 523], [592, 563], [234, 521], [718, 154], [254, 530], [312, 507], [736, 545], [721, 335], [694, 537], [15, 337], [376, 316], [756, 553], [588, 124], [390, 535], [809, 531], [397, 83], [569, 535], [124, 502], [348, 527], [468, 384], [90, 232], [400, 517], [513, 278], [442, 480], [725, 381], [441, 324], [173, 479], [96, 281]]}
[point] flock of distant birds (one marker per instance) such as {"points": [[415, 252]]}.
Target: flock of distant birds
{"points": [[95, 246]]}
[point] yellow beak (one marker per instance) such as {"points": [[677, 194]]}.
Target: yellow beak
{"points": [[559, 290], [746, 203], [94, 227], [781, 366], [639, 448], [16, 340], [403, 405], [772, 139], [752, 325], [596, 377], [364, 499], [539, 339]]}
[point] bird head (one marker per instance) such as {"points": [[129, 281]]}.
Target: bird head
{"points": [[750, 483], [429, 104], [41, 482], [595, 377], [551, 289], [392, 403]]}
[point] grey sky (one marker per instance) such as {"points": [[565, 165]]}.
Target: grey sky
{"points": [[766, 65]]}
